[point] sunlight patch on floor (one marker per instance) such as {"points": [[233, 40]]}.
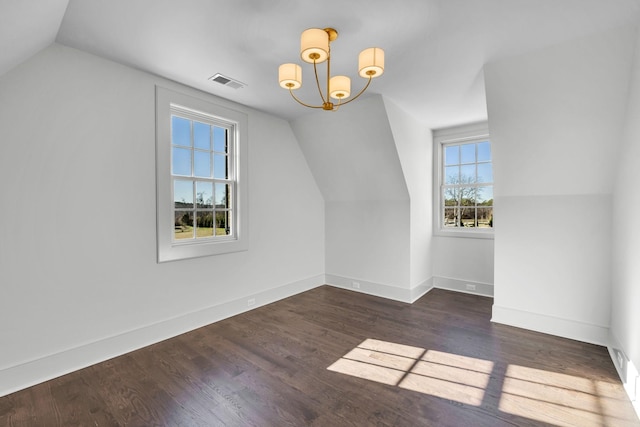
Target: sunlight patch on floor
{"points": [[449, 376], [560, 399], [554, 398]]}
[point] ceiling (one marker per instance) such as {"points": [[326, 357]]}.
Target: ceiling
{"points": [[435, 49], [27, 27]]}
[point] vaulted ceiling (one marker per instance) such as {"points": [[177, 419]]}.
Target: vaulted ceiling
{"points": [[435, 49]]}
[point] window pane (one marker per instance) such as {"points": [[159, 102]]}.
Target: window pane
{"points": [[202, 163], [485, 217], [204, 224], [468, 217], [452, 174], [180, 131], [468, 153], [223, 195], [183, 225], [183, 194], [201, 135], [451, 196], [219, 139], [223, 225], [452, 155], [485, 172], [451, 217], [220, 167], [204, 194], [181, 162], [485, 196], [468, 174], [467, 196], [484, 151]]}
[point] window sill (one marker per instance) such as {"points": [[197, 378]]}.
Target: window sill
{"points": [[178, 251], [465, 234]]}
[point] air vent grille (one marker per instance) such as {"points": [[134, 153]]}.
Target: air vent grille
{"points": [[227, 81]]}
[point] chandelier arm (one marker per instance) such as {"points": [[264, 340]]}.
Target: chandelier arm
{"points": [[302, 103], [315, 70], [359, 93]]}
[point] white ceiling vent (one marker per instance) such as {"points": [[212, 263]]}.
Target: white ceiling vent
{"points": [[227, 81]]}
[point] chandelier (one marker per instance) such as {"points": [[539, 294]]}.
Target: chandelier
{"points": [[315, 49]]}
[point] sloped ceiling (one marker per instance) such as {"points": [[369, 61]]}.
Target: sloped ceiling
{"points": [[352, 154], [435, 49], [26, 27]]}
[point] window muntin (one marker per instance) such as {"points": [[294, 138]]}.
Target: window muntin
{"points": [[466, 192], [203, 177]]}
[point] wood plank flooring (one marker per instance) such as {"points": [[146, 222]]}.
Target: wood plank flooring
{"points": [[331, 357]]}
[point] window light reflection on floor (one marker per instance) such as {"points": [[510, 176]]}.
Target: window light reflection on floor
{"points": [[560, 399], [445, 375], [553, 398]]}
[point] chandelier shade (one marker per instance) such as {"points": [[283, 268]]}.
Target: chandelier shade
{"points": [[371, 62], [315, 49], [339, 87], [290, 76], [314, 45]]}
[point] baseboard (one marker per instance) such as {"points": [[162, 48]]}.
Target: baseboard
{"points": [[466, 286], [628, 372], [408, 295], [46, 368], [418, 291], [565, 328]]}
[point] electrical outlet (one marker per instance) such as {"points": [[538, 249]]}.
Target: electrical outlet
{"points": [[251, 301], [471, 287], [356, 285]]}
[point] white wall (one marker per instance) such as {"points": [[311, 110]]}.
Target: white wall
{"points": [[354, 160], [625, 298], [414, 144], [555, 117], [368, 241], [459, 260], [78, 230], [373, 164]]}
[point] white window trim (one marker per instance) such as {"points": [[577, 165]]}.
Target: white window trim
{"points": [[475, 132], [167, 249]]}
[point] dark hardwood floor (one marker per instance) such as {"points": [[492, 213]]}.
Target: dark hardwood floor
{"points": [[331, 357]]}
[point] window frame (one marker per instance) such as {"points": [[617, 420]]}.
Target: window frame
{"points": [[169, 103], [476, 132]]}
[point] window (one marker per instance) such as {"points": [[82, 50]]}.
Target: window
{"points": [[465, 182], [203, 176], [201, 164]]}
